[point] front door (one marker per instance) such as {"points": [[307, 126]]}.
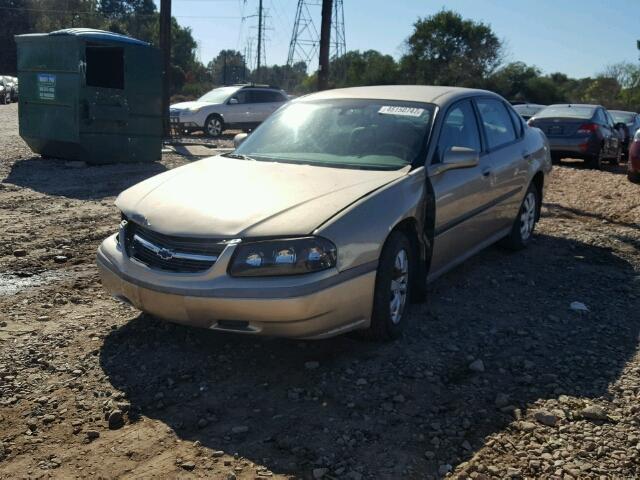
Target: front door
{"points": [[459, 193]]}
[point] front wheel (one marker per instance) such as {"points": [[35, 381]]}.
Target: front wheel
{"points": [[525, 222], [391, 294], [213, 127]]}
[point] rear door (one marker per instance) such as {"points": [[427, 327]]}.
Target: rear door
{"points": [[614, 142], [266, 102], [506, 166], [460, 194]]}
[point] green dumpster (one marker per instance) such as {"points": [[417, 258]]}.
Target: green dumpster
{"points": [[90, 95]]}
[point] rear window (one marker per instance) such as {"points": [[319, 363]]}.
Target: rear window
{"points": [[566, 111], [623, 117]]}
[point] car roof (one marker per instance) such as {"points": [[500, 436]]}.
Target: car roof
{"points": [[439, 95]]}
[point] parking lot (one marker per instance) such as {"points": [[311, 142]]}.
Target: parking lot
{"points": [[498, 376]]}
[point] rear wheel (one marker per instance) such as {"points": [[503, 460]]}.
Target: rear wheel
{"points": [[595, 161], [616, 160], [525, 222], [214, 126], [391, 294]]}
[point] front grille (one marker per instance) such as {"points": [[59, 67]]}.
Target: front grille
{"points": [[171, 253]]}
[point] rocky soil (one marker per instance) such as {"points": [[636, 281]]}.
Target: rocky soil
{"points": [[519, 365]]}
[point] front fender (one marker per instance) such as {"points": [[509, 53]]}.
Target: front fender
{"points": [[359, 232]]}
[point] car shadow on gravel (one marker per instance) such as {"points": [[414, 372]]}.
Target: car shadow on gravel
{"points": [[353, 406], [77, 180], [619, 169]]}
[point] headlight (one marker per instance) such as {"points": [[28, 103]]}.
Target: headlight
{"points": [[194, 109], [292, 256], [636, 137]]}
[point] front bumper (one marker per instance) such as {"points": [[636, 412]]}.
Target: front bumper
{"points": [[308, 306]]}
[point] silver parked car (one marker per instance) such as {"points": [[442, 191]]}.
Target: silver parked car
{"points": [[237, 106], [333, 215]]}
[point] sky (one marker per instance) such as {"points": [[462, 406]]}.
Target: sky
{"points": [[576, 37]]}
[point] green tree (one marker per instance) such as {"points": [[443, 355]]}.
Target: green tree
{"points": [[228, 67], [363, 68], [511, 81], [445, 49], [15, 21]]}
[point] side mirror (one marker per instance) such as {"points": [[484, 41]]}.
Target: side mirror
{"points": [[455, 158], [233, 101], [239, 138], [620, 125]]}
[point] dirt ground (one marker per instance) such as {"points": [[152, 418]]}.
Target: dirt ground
{"points": [[497, 377]]}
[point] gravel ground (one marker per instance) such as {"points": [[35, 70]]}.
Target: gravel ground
{"points": [[497, 377]]}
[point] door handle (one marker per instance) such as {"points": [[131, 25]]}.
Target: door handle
{"points": [[486, 172]]}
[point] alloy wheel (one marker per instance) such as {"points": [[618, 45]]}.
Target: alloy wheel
{"points": [[214, 127], [399, 285], [528, 215]]}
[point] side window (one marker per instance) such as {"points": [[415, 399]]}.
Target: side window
{"points": [[496, 122], [241, 96], [517, 121], [600, 118], [260, 96], [459, 129]]}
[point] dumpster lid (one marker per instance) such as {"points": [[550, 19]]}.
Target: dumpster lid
{"points": [[102, 35]]}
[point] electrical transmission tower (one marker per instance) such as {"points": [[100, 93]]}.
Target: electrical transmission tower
{"points": [[305, 39]]}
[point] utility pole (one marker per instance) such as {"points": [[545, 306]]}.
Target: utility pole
{"points": [[259, 37], [165, 46], [224, 71], [325, 44]]}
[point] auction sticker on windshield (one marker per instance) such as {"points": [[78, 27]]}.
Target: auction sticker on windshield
{"points": [[405, 111]]}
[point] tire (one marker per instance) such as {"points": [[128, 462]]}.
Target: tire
{"points": [[595, 161], [3, 100], [392, 291], [214, 126], [616, 160], [525, 223]]}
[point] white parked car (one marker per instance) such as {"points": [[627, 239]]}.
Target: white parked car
{"points": [[238, 106], [528, 110]]}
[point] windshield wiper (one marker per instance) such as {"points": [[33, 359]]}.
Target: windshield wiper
{"points": [[238, 155]]}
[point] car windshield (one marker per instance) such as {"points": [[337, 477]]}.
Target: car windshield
{"points": [[622, 117], [566, 111], [349, 133], [218, 95]]}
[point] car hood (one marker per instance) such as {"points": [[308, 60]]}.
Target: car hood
{"points": [[232, 198], [194, 104]]}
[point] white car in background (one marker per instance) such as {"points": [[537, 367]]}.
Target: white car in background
{"points": [[234, 107], [528, 110]]}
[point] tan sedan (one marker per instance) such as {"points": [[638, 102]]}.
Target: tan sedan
{"points": [[333, 215]]}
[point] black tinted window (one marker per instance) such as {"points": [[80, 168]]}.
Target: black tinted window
{"points": [[459, 129], [496, 122], [262, 96]]}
